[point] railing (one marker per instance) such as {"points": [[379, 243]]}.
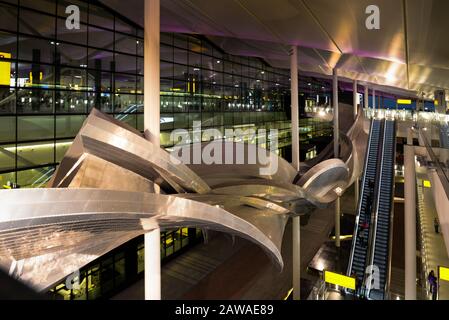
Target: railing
{"points": [[359, 207]]}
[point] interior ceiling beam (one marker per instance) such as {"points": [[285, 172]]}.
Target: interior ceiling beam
{"points": [[324, 30], [269, 30], [407, 52]]}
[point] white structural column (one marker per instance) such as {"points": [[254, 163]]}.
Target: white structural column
{"points": [[410, 137], [336, 150], [354, 102], [152, 132], [335, 111], [354, 97], [374, 99], [295, 106], [366, 98], [296, 234], [410, 222]]}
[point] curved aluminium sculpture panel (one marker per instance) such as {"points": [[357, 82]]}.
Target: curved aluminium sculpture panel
{"points": [[62, 222], [52, 232]]}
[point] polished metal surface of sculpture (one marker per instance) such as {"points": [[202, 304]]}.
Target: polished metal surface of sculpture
{"points": [[113, 185]]}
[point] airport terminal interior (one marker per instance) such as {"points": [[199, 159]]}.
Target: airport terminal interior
{"points": [[230, 150]]}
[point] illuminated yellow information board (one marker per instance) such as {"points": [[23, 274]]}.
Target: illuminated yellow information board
{"points": [[404, 101], [427, 184], [5, 69], [443, 273], [339, 280]]}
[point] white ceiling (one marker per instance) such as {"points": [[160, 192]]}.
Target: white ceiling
{"points": [[410, 51]]}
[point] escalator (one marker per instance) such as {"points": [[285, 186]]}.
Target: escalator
{"points": [[371, 247], [359, 251], [383, 219]]}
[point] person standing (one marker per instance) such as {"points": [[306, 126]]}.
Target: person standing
{"points": [[436, 225], [433, 284]]}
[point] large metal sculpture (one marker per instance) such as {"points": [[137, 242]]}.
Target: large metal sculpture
{"points": [[114, 185]]}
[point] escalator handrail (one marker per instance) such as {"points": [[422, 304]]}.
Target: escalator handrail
{"points": [[359, 206], [390, 243]]}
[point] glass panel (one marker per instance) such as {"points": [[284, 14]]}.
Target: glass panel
{"points": [[71, 78], [7, 100], [75, 35], [101, 38], [70, 102], [35, 75], [7, 157], [94, 285], [9, 17], [125, 43], [122, 26], [125, 63], [35, 127], [125, 83], [33, 49], [125, 103], [35, 101], [8, 45], [119, 272], [129, 119], [7, 129], [36, 24], [140, 260], [7, 179], [34, 178], [166, 52], [100, 17], [48, 6], [102, 101], [61, 148], [68, 125], [34, 154], [101, 60], [71, 55]]}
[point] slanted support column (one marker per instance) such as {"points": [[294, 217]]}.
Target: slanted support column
{"points": [[410, 136], [152, 133], [366, 97], [296, 238], [354, 97], [335, 111], [354, 102], [336, 150], [410, 222]]}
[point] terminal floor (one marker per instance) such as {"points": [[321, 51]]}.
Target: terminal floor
{"points": [[436, 250], [227, 269]]}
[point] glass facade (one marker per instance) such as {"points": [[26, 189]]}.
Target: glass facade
{"points": [[51, 77], [106, 276]]}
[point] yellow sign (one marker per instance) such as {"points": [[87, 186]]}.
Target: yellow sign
{"points": [[31, 76], [404, 101], [427, 184], [339, 280], [443, 273], [5, 69]]}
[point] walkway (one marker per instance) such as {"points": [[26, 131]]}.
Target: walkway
{"points": [[436, 253]]}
